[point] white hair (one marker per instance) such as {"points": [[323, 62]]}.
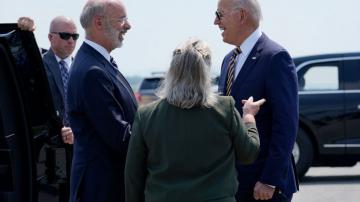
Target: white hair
{"points": [[252, 6]]}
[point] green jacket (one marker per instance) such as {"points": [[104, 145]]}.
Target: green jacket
{"points": [[187, 155]]}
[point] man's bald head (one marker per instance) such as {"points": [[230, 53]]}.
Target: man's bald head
{"points": [[62, 47]]}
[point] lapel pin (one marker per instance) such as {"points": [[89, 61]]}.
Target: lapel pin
{"points": [[254, 58]]}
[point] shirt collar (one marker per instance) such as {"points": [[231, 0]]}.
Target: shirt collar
{"points": [[67, 60], [250, 41], [99, 49]]}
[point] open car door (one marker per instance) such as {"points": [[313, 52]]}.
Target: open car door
{"points": [[28, 122]]}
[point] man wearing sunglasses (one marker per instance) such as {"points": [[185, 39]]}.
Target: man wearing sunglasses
{"points": [[57, 61], [259, 67]]}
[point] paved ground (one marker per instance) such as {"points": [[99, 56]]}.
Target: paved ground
{"points": [[321, 184], [324, 184]]}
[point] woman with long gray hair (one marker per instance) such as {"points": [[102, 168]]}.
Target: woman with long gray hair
{"points": [[183, 147]]}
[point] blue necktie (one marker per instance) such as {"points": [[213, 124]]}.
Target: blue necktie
{"points": [[65, 77]]}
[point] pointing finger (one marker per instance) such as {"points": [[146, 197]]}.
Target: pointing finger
{"points": [[260, 102]]}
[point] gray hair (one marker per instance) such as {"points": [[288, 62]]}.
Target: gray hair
{"points": [[188, 83], [252, 6], [91, 9]]}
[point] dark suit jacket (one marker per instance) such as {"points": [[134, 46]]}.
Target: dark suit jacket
{"points": [[101, 110], [55, 81], [269, 73], [187, 154]]}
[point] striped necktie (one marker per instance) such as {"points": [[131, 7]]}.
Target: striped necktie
{"points": [[65, 78], [231, 70]]}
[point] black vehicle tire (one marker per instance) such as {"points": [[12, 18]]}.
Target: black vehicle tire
{"points": [[305, 152]]}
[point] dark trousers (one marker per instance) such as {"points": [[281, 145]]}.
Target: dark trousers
{"points": [[247, 196]]}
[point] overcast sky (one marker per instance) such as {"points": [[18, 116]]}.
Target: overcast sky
{"points": [[303, 27]]}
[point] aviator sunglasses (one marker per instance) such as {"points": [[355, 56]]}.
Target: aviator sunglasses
{"points": [[66, 36]]}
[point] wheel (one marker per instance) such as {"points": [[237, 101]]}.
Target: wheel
{"points": [[303, 152]]}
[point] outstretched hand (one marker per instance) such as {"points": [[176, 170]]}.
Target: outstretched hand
{"points": [[251, 107], [26, 24]]}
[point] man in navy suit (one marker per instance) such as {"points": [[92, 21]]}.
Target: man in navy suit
{"points": [[57, 61], [261, 68], [101, 106], [62, 36]]}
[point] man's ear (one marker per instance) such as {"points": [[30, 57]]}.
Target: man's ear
{"points": [[98, 22], [50, 36], [242, 15]]}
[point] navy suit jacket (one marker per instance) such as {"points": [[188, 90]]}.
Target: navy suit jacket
{"points": [[269, 73], [101, 110], [55, 81]]}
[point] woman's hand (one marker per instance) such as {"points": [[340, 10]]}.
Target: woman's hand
{"points": [[251, 107]]}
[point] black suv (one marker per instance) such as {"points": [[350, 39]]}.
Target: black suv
{"points": [[31, 152], [329, 99]]}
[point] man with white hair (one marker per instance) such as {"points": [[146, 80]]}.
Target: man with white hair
{"points": [[261, 68]]}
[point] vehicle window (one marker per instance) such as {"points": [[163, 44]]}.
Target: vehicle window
{"points": [[352, 75], [320, 78], [151, 83]]}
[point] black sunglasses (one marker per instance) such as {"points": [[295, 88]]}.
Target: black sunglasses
{"points": [[219, 15], [66, 36]]}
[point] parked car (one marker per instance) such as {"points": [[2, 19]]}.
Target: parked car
{"points": [[329, 101], [147, 89], [29, 125]]}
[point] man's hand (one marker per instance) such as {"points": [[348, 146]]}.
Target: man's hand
{"points": [[263, 191], [26, 24], [67, 135]]}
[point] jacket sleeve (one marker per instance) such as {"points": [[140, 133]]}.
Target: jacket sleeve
{"points": [[135, 167], [281, 88], [103, 109], [245, 138]]}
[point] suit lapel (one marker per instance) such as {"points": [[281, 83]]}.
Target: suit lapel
{"points": [[249, 64], [54, 69], [118, 77]]}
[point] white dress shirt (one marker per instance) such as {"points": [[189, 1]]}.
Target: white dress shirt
{"points": [[246, 48], [67, 60], [99, 49]]}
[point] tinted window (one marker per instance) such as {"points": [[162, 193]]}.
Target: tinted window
{"points": [[352, 75], [150, 83], [320, 77]]}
